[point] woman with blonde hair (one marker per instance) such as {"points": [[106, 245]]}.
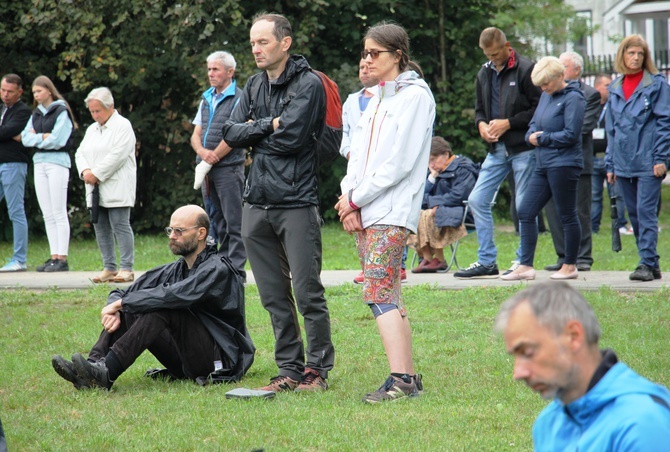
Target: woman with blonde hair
{"points": [[48, 132], [637, 119], [556, 133]]}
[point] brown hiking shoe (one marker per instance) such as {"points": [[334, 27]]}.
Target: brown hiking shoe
{"points": [[311, 381], [281, 383], [395, 388]]}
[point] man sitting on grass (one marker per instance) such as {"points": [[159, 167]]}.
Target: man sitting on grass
{"points": [[189, 314], [598, 403]]}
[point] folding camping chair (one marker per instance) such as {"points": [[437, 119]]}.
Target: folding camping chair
{"points": [[470, 228]]}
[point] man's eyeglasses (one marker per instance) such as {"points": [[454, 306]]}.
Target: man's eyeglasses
{"points": [[374, 53], [177, 231]]}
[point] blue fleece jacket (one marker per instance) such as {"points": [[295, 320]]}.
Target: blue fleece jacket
{"points": [[560, 117], [622, 412]]}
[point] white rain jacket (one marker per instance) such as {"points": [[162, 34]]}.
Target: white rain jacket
{"points": [[390, 148], [109, 152]]}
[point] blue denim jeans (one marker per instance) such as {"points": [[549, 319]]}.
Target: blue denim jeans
{"points": [[494, 170], [12, 188], [598, 179], [641, 195], [561, 184]]}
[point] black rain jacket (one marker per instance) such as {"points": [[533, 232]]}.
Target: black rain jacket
{"points": [[212, 290], [284, 169]]}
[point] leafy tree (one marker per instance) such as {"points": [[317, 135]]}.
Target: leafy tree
{"points": [[151, 54]]}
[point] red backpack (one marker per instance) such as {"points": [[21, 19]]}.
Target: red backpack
{"points": [[329, 140], [329, 137]]}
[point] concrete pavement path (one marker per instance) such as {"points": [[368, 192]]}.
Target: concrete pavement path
{"points": [[592, 280]]}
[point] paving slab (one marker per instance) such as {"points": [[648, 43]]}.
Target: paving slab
{"points": [[592, 280]]}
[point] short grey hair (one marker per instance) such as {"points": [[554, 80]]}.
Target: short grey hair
{"points": [[102, 95], [553, 304], [577, 60], [225, 58], [547, 69]]}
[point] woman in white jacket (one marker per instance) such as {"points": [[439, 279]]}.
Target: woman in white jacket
{"points": [[382, 193], [106, 159]]}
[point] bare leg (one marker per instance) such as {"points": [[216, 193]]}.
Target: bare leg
{"points": [[396, 337], [427, 253]]}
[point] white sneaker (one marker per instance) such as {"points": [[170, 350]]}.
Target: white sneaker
{"points": [[623, 230], [13, 266], [201, 170]]}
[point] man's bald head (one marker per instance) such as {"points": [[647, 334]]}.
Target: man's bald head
{"points": [[192, 214]]}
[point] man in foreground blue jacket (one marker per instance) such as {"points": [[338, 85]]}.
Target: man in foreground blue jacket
{"points": [[598, 402], [189, 314]]}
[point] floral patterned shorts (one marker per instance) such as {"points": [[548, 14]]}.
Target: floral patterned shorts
{"points": [[380, 249]]}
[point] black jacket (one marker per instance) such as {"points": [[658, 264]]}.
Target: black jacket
{"points": [[284, 169], [518, 100], [591, 115], [13, 123], [211, 289]]}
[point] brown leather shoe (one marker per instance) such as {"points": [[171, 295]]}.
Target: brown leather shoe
{"points": [[124, 276], [105, 276]]}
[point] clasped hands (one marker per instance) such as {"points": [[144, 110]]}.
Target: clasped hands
{"points": [[492, 131], [350, 218], [111, 316]]}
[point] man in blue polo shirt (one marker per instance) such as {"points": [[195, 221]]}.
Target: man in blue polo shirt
{"points": [[225, 181]]}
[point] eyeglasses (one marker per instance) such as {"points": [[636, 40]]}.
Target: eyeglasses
{"points": [[374, 53], [177, 231]]}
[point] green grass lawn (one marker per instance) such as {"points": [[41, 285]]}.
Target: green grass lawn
{"points": [[470, 400]]}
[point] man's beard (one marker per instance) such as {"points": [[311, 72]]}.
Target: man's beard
{"points": [[183, 248]]}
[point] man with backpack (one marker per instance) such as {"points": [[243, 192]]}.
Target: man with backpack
{"points": [[280, 115]]}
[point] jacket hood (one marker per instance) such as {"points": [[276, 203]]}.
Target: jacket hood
{"points": [[51, 106], [460, 162], [619, 381], [572, 85], [407, 78], [294, 65]]}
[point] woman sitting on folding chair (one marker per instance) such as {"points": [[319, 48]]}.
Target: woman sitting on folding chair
{"points": [[451, 178]]}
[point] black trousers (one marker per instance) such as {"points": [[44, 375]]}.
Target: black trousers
{"points": [[284, 247], [176, 337], [584, 215]]}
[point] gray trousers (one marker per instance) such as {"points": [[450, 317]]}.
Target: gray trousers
{"points": [[284, 246], [225, 192], [114, 224], [584, 214]]}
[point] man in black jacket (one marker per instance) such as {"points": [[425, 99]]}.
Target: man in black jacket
{"points": [[189, 314], [280, 114], [506, 102], [14, 158]]}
